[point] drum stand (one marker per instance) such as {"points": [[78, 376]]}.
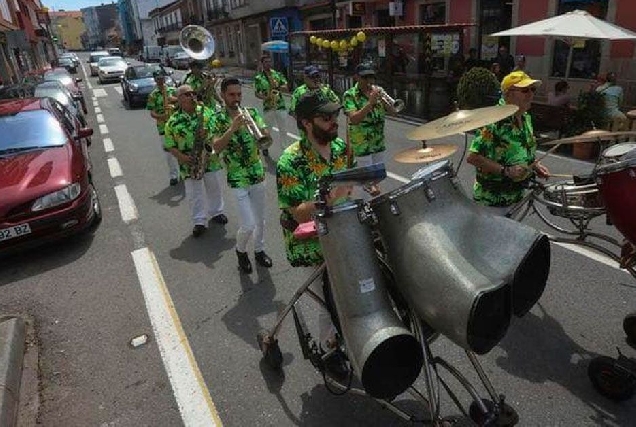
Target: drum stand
{"points": [[581, 218], [491, 411]]}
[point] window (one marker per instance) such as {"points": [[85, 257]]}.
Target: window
{"points": [[586, 57], [433, 13]]}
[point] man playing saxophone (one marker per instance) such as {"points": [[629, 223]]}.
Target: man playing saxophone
{"points": [[269, 85], [160, 104], [187, 128], [234, 130], [311, 76]]}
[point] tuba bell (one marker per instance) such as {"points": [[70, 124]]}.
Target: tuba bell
{"points": [[197, 42]]}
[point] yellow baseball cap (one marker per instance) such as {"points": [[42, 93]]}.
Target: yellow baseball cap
{"points": [[518, 79]]}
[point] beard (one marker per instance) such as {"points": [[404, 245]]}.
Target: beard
{"points": [[324, 137]]}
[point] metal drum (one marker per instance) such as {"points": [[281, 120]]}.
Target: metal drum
{"points": [[576, 201], [384, 354], [463, 271], [616, 179]]}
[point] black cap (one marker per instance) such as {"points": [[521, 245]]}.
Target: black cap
{"points": [[365, 70], [314, 103]]}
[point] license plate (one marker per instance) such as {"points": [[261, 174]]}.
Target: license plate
{"points": [[15, 231]]}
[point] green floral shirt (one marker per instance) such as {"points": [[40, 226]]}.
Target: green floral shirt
{"points": [[262, 87], [367, 137], [197, 83], [243, 164], [297, 174], [180, 129], [155, 103], [507, 144], [325, 90]]}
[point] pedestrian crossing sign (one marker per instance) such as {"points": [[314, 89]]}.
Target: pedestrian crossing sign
{"points": [[278, 26]]}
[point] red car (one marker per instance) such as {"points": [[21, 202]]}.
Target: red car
{"points": [[71, 83], [46, 186]]}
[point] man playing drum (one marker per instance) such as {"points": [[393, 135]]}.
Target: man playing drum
{"points": [[504, 152], [319, 152]]}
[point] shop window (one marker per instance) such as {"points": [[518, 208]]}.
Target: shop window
{"points": [[586, 56], [433, 13]]}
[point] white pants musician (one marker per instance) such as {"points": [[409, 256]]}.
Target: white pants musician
{"points": [[278, 118], [205, 196], [251, 208], [173, 164]]}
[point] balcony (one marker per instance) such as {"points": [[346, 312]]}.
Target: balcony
{"points": [[218, 14], [192, 20], [169, 28]]}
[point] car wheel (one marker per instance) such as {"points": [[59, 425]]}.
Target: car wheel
{"points": [[97, 209]]}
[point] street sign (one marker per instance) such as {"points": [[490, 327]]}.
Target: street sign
{"points": [[278, 27]]}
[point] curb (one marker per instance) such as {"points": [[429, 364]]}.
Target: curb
{"points": [[12, 339]]}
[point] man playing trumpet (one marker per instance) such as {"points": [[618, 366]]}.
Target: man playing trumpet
{"points": [[160, 101], [311, 76], [234, 130], [189, 125], [268, 85], [366, 112]]}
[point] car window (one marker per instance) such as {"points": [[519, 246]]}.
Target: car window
{"points": [[51, 92], [65, 79], [111, 62], [65, 61], [144, 72], [28, 129], [65, 116], [95, 58]]}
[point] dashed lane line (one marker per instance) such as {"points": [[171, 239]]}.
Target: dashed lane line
{"points": [[103, 129], [99, 92], [100, 118], [127, 206], [119, 90], [108, 145], [97, 109], [115, 168]]}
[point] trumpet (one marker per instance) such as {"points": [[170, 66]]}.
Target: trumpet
{"points": [[397, 104], [262, 140]]}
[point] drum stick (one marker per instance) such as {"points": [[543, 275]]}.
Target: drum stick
{"points": [[547, 153], [561, 175]]}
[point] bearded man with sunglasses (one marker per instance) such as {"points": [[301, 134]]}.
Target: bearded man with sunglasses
{"points": [[504, 152]]}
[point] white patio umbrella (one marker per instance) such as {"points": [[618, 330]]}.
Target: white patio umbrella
{"points": [[570, 28]]}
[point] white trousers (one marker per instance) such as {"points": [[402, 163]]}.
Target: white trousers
{"points": [[205, 197], [251, 208], [278, 118], [173, 164], [368, 160]]}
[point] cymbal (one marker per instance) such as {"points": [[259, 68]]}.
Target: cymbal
{"points": [[461, 121], [425, 154], [596, 135]]}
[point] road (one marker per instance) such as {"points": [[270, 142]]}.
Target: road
{"points": [[143, 273]]}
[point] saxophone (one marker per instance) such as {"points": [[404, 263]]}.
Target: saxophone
{"points": [[201, 150], [272, 95], [168, 108]]}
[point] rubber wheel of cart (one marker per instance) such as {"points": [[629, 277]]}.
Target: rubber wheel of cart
{"points": [[508, 417], [271, 351], [629, 326], [611, 382]]}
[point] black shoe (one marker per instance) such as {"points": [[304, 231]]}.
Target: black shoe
{"points": [[336, 367], [266, 152], [220, 219], [244, 262], [263, 259], [198, 230], [173, 182]]}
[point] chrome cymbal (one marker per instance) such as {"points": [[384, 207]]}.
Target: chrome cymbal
{"points": [[596, 135], [461, 121], [425, 154]]}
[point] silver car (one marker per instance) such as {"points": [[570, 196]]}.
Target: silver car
{"points": [[111, 68], [94, 58]]}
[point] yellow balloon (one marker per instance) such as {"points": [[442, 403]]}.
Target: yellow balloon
{"points": [[361, 36], [353, 42], [318, 41], [326, 43], [343, 44], [334, 45], [312, 39]]}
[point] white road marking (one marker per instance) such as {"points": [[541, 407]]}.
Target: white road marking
{"points": [[90, 86], [100, 118], [119, 90], [596, 256], [275, 128], [108, 145], [292, 135], [115, 168], [97, 109], [100, 92], [127, 206], [103, 129], [95, 103], [188, 387]]}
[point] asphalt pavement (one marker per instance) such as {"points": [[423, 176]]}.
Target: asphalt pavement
{"points": [[143, 273]]}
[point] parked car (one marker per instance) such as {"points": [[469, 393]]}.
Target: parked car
{"points": [[71, 83], [45, 174], [94, 58], [111, 68], [168, 53], [72, 56], [138, 82], [68, 64], [114, 51], [56, 90], [181, 61]]}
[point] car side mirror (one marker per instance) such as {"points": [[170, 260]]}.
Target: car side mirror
{"points": [[78, 79], [127, 62], [170, 72], [84, 133]]}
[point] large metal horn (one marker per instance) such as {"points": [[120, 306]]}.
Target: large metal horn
{"points": [[197, 42]]}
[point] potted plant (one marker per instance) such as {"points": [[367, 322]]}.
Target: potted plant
{"points": [[478, 88]]}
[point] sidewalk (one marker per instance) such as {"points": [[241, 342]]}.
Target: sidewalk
{"points": [[12, 344]]}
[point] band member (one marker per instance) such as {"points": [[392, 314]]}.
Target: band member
{"points": [[160, 113], [187, 128], [245, 172], [269, 85], [318, 152], [366, 112], [504, 152], [202, 84], [311, 76]]}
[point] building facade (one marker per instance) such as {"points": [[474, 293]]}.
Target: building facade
{"points": [[102, 25], [68, 27]]}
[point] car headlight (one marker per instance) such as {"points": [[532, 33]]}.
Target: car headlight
{"points": [[64, 195], [134, 87]]}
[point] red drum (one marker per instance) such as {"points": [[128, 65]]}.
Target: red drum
{"points": [[616, 178]]}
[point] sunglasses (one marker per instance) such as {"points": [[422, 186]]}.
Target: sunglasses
{"points": [[525, 90]]}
